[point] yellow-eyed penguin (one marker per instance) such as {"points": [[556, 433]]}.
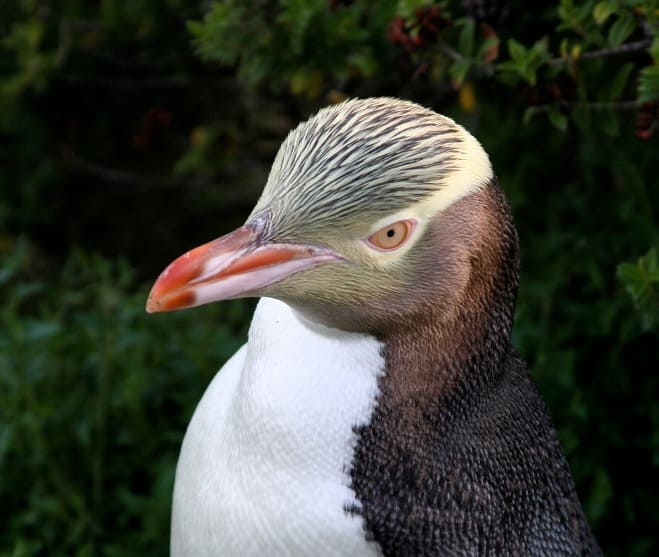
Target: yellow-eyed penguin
{"points": [[378, 407]]}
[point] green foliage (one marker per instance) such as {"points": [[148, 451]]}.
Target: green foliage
{"points": [[297, 43], [24, 40], [648, 84], [316, 43], [641, 279], [94, 400], [525, 62], [115, 126]]}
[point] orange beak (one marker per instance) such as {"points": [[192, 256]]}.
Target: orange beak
{"points": [[237, 265]]}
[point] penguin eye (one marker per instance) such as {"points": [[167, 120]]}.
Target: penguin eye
{"points": [[391, 236]]}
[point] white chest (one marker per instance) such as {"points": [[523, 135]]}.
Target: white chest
{"points": [[264, 465]]}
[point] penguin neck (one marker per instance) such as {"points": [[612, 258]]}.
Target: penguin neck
{"points": [[458, 348], [434, 360]]}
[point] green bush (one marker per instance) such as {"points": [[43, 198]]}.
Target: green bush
{"points": [[94, 400]]}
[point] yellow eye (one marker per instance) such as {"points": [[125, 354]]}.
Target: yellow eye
{"points": [[391, 236]]}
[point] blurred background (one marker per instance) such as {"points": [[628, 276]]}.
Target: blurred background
{"points": [[132, 131]]}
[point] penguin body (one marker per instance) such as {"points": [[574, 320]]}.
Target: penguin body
{"points": [[378, 407]]}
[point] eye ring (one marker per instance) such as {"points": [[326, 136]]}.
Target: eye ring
{"points": [[392, 236]]}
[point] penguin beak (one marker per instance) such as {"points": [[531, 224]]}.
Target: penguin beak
{"points": [[237, 265]]}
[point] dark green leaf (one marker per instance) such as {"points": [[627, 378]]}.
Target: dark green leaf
{"points": [[517, 50], [641, 280], [529, 114], [621, 29], [603, 10], [608, 122], [459, 70], [619, 81], [557, 119], [648, 84], [654, 50], [466, 39]]}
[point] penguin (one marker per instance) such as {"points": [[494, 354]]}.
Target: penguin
{"points": [[378, 407]]}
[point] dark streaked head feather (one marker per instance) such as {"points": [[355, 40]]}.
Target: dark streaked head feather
{"points": [[362, 158]]}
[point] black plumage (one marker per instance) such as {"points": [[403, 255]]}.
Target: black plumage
{"points": [[460, 456]]}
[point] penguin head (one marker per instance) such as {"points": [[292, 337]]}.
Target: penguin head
{"points": [[375, 211]]}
